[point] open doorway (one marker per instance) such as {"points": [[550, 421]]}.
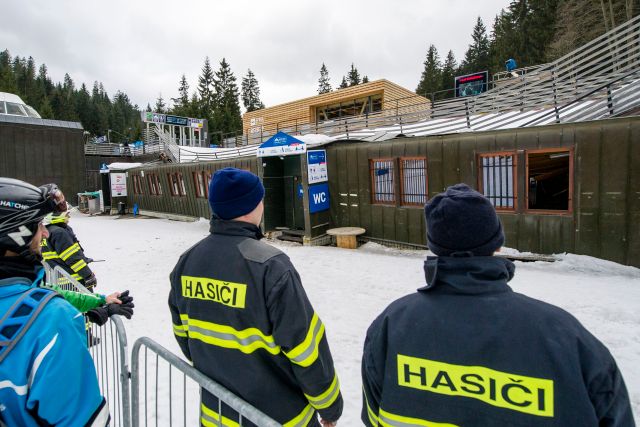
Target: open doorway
{"points": [[283, 207], [549, 176]]}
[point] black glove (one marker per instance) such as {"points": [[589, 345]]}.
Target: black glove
{"points": [[91, 282], [100, 315]]}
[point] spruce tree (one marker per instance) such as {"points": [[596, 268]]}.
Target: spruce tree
{"points": [[365, 79], [449, 70], [206, 91], [251, 92], [7, 78], [160, 107], [324, 83], [431, 79], [477, 56], [353, 76], [344, 83], [226, 105], [181, 103]]}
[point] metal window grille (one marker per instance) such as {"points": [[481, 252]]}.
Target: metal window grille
{"points": [[382, 181], [498, 183], [137, 185], [181, 188], [414, 181], [198, 181], [152, 185], [174, 186]]}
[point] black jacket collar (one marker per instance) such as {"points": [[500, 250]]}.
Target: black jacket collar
{"points": [[468, 275], [235, 228], [18, 267]]}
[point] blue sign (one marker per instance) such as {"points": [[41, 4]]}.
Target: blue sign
{"points": [[318, 198], [281, 144], [300, 191]]}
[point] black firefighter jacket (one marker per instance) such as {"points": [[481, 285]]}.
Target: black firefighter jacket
{"points": [[62, 248], [241, 315], [466, 350]]}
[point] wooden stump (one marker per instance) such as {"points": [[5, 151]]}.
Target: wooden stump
{"points": [[346, 236]]}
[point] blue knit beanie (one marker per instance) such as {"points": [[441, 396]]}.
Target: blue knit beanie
{"points": [[462, 220], [234, 192]]}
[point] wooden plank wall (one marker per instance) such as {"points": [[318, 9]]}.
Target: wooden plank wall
{"points": [[303, 110], [606, 201], [189, 205], [43, 154]]}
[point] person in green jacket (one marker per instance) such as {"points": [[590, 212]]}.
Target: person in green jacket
{"points": [[97, 307]]}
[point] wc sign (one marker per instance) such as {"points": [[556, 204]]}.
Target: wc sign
{"points": [[318, 198]]}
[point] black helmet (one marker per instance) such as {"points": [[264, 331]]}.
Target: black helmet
{"points": [[22, 207]]}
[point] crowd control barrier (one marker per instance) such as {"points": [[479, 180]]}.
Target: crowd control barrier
{"points": [[179, 403]]}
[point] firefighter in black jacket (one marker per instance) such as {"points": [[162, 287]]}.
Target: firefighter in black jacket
{"points": [[241, 315], [466, 350], [62, 248]]}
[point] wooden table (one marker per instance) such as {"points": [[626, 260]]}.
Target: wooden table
{"points": [[346, 236]]}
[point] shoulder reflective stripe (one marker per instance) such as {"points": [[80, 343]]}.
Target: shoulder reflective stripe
{"points": [[306, 353], [211, 418], [20, 390], [38, 361], [79, 265], [179, 331], [246, 340], [373, 418], [76, 276], [388, 419], [69, 251], [102, 418], [327, 398], [302, 419]]}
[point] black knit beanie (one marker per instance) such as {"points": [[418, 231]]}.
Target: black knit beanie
{"points": [[464, 221]]}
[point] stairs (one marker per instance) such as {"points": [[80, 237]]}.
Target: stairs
{"points": [[292, 236]]}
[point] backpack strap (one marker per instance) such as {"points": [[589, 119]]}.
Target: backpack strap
{"points": [[20, 316]]}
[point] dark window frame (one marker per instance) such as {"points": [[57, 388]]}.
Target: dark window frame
{"points": [[569, 210], [372, 172], [137, 185], [403, 196], [514, 178], [199, 179]]}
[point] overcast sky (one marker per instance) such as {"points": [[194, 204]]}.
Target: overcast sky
{"points": [[142, 48]]}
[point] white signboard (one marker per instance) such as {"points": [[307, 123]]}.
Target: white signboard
{"points": [[317, 166], [118, 184]]}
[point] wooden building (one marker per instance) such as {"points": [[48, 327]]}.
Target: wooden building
{"points": [[561, 188], [376, 97]]}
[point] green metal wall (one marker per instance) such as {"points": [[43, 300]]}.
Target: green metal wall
{"points": [[181, 205], [605, 221], [43, 154]]}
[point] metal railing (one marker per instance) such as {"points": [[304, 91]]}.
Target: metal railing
{"points": [[157, 406], [108, 348], [603, 60]]}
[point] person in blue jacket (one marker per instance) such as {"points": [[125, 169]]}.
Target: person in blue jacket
{"points": [[465, 350], [47, 375]]}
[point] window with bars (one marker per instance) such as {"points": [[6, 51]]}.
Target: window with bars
{"points": [[176, 184], [198, 183], [382, 181], [498, 179], [137, 184], [413, 173], [154, 184]]}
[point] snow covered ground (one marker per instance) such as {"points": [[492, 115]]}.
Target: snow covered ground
{"points": [[348, 288]]}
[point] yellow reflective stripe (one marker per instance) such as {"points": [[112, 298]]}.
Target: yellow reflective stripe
{"points": [[246, 340], [50, 255], [79, 265], [211, 418], [305, 353], [327, 398], [76, 276], [373, 418], [57, 220], [302, 419], [179, 331], [387, 419], [69, 251]]}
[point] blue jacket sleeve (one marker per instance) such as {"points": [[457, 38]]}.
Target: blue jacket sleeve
{"points": [[63, 387]]}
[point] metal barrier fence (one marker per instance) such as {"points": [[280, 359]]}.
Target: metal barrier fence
{"points": [[180, 402]]}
